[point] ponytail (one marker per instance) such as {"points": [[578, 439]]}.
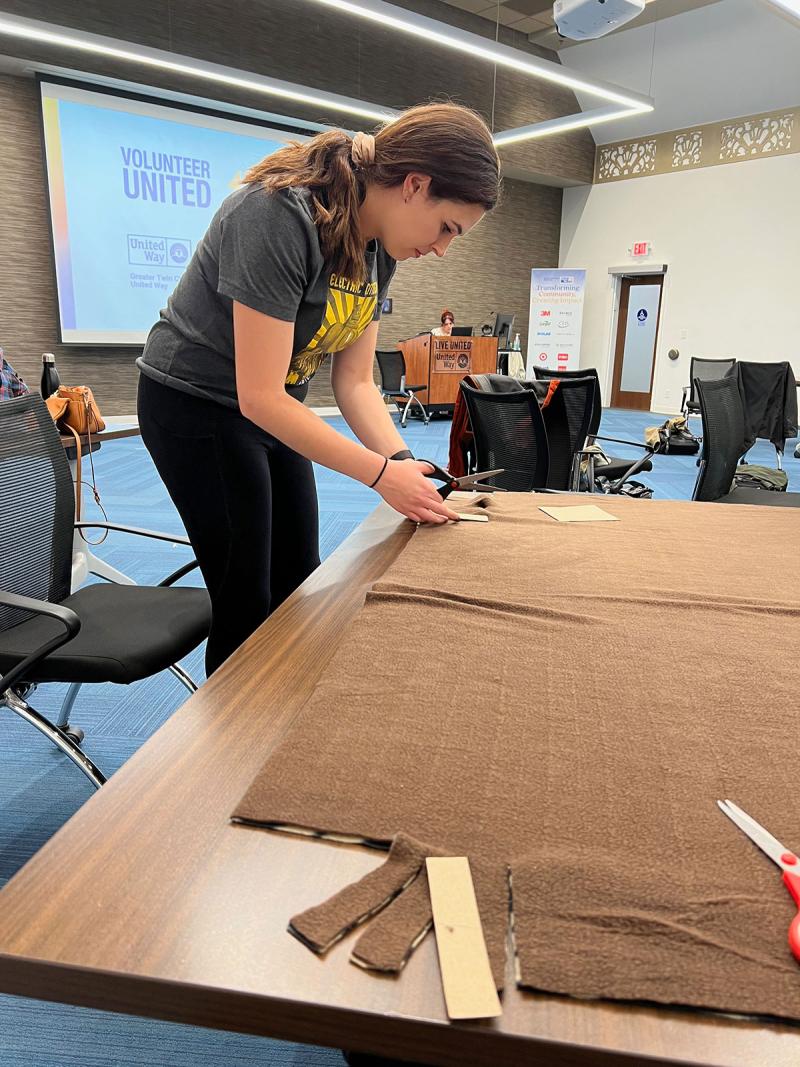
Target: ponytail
{"points": [[324, 165], [451, 144]]}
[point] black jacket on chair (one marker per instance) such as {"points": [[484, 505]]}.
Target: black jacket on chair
{"points": [[769, 398]]}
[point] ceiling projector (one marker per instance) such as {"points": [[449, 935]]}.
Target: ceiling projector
{"points": [[583, 20]]}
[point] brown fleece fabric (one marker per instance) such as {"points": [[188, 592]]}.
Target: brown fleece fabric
{"points": [[568, 702]]}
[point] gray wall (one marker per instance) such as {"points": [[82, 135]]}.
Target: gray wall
{"points": [[303, 42]]}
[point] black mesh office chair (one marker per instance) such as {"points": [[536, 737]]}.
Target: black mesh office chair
{"points": [[613, 470], [566, 420], [100, 633], [392, 369], [509, 432], [723, 443], [704, 370]]}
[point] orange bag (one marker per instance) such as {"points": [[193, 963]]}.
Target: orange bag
{"points": [[74, 410]]}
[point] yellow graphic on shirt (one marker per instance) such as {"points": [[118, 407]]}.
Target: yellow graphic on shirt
{"points": [[349, 311]]}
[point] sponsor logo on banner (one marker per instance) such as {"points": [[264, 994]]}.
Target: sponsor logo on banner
{"points": [[556, 309]]}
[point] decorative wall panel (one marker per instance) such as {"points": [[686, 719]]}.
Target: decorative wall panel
{"points": [[718, 143], [741, 139], [627, 160]]}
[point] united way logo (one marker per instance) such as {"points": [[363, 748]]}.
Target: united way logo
{"points": [[151, 250], [179, 252]]}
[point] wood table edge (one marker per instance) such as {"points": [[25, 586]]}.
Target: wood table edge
{"points": [[244, 1012]]}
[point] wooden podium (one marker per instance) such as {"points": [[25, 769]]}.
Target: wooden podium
{"points": [[441, 362]]}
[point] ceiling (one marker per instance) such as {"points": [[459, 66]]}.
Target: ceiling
{"points": [[535, 17], [721, 61], [527, 16], [701, 61]]}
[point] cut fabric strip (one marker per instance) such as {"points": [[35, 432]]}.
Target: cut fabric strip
{"points": [[394, 899]]}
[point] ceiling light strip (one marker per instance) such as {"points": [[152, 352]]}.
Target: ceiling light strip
{"points": [[96, 44], [390, 16], [563, 124]]}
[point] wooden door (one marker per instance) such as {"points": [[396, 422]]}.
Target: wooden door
{"points": [[635, 349]]}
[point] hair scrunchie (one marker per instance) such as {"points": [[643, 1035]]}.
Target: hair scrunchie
{"points": [[362, 150]]}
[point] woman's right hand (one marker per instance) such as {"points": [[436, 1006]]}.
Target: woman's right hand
{"points": [[404, 487]]}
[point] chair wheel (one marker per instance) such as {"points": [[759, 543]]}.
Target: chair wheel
{"points": [[74, 733]]}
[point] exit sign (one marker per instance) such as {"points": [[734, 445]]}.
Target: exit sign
{"points": [[640, 248]]}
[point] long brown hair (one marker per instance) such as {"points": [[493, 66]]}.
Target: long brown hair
{"points": [[450, 143]]}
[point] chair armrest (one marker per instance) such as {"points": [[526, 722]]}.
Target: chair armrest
{"points": [[635, 466], [68, 619], [621, 441], [172, 538], [179, 573]]}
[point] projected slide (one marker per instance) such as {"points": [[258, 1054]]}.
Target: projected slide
{"points": [[133, 187]]}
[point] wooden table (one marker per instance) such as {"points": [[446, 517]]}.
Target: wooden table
{"points": [[68, 441], [149, 902]]}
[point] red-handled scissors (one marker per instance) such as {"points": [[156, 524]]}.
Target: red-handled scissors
{"points": [[788, 862]]}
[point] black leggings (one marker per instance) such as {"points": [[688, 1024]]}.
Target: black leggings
{"points": [[248, 502]]}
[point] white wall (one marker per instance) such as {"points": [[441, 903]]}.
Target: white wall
{"points": [[731, 238]]}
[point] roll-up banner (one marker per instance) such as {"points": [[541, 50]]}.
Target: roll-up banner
{"points": [[556, 315]]}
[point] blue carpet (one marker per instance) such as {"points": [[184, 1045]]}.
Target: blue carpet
{"points": [[40, 789]]}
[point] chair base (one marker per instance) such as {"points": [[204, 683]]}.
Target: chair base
{"points": [[62, 739], [65, 737], [411, 400]]}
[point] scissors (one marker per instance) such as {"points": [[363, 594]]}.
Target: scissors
{"points": [[466, 484], [786, 860]]}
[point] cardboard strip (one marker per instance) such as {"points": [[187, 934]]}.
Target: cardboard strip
{"points": [[469, 989]]}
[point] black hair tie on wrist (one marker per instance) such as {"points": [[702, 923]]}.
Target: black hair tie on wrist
{"points": [[383, 468], [403, 454]]}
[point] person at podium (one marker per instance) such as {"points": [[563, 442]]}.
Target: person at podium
{"points": [[448, 322]]}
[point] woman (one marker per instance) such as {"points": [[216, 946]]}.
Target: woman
{"points": [[294, 267], [446, 328]]}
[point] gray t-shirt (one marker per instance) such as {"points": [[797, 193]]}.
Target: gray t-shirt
{"points": [[262, 249]]}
